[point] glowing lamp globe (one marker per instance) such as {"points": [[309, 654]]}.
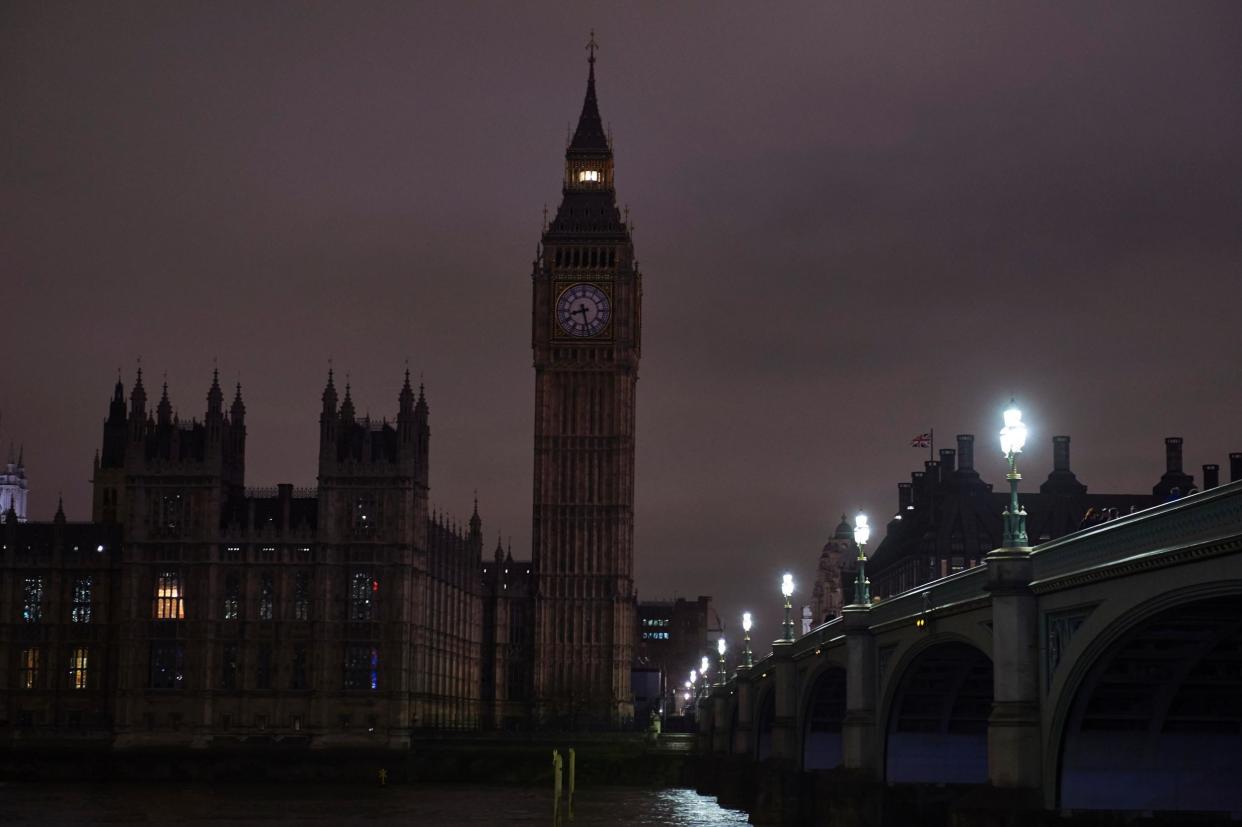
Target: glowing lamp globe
{"points": [[787, 585], [720, 646], [1013, 435], [703, 664], [862, 531], [746, 622]]}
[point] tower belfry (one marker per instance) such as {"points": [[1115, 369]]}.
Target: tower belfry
{"points": [[587, 295]]}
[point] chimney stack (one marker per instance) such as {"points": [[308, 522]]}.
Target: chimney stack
{"points": [[933, 470], [1060, 453], [916, 487], [947, 461], [1235, 467], [905, 497], [1211, 476], [966, 452], [1173, 454]]}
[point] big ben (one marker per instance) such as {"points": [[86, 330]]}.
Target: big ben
{"points": [[586, 325]]}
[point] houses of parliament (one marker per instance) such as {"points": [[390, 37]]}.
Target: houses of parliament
{"points": [[193, 610]]}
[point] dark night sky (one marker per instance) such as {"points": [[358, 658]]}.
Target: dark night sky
{"points": [[855, 222]]}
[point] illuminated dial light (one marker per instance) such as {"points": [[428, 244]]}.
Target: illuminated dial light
{"points": [[583, 310], [591, 175]]}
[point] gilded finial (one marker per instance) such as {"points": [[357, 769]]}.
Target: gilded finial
{"points": [[592, 45]]}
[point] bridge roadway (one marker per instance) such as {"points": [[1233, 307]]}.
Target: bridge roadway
{"points": [[1099, 671]]}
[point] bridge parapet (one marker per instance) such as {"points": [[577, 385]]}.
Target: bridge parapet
{"points": [[1188, 521]]}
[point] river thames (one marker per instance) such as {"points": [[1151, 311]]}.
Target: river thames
{"points": [[126, 803]]}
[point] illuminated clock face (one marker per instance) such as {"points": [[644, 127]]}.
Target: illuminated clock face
{"points": [[583, 310]]}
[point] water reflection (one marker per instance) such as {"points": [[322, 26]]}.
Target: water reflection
{"points": [[89, 803]]}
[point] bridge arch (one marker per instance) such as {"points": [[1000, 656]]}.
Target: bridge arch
{"points": [[822, 705], [1150, 715], [936, 714]]}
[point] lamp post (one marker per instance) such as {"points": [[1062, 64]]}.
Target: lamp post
{"points": [[786, 587], [862, 586], [746, 624], [1012, 438], [721, 648]]}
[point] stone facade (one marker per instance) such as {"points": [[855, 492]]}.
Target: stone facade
{"points": [[346, 614]]}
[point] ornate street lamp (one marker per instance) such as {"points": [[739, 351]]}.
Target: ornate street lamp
{"points": [[1012, 438], [720, 647], [746, 624], [862, 586], [787, 590]]}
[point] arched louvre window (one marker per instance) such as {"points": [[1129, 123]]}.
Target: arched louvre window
{"points": [[32, 600], [267, 596], [169, 602], [82, 589], [301, 596], [363, 589], [232, 596]]}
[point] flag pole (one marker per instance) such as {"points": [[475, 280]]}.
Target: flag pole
{"points": [[931, 444]]}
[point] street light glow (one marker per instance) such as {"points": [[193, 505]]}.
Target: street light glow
{"points": [[746, 622], [1013, 435], [703, 664], [720, 646], [787, 585], [862, 531]]}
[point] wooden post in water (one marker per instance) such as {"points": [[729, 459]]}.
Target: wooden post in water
{"points": [[571, 783], [556, 787]]}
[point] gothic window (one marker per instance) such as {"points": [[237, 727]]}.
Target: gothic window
{"points": [[229, 665], [81, 610], [363, 589], [167, 664], [361, 666], [299, 675], [263, 667], [591, 175], [28, 668], [169, 600], [267, 596], [232, 596], [366, 515], [79, 661], [301, 596], [32, 600]]}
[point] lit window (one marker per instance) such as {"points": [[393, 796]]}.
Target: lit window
{"points": [[78, 662], [81, 611], [361, 666], [362, 591], [32, 600], [167, 665], [267, 596], [169, 603], [232, 596], [29, 668], [588, 175]]}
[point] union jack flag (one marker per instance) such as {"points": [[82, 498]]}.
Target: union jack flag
{"points": [[921, 441]]}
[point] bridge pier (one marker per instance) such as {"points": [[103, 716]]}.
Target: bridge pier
{"points": [[743, 739], [859, 740], [785, 686], [720, 719], [1015, 757]]}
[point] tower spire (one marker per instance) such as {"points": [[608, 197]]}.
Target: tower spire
{"points": [[590, 137]]}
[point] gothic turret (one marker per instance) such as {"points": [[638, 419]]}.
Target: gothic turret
{"points": [[407, 431], [163, 411], [137, 408], [328, 422], [115, 428], [215, 398]]}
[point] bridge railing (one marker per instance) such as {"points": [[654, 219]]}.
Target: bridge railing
{"points": [[1203, 516]]}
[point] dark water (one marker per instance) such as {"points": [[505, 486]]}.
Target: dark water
{"points": [[94, 803]]}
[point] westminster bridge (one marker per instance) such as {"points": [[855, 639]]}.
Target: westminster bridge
{"points": [[1098, 671]]}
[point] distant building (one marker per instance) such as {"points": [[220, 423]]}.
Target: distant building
{"points": [[672, 638], [834, 575], [948, 518], [14, 486]]}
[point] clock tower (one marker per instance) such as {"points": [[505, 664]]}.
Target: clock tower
{"points": [[586, 323]]}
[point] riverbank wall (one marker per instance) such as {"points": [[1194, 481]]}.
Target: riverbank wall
{"points": [[475, 758]]}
